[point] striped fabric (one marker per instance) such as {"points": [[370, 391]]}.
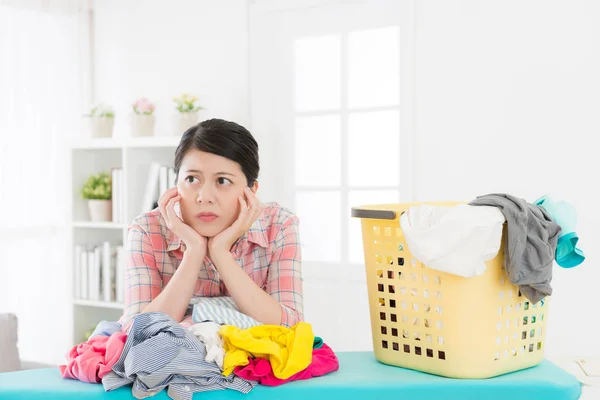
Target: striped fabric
{"points": [[269, 253], [221, 310], [159, 353]]}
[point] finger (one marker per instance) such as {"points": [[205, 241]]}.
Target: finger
{"points": [[254, 206], [172, 217], [254, 202], [238, 224], [243, 209], [162, 204], [251, 216], [164, 199]]}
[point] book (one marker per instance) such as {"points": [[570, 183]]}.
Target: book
{"points": [[77, 272], [107, 277], [90, 274], [83, 266], [120, 275], [163, 180], [122, 205], [171, 175], [150, 199], [116, 209]]}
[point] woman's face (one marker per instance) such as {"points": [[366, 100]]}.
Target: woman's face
{"points": [[209, 186]]}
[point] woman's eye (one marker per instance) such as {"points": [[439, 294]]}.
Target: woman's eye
{"points": [[223, 181], [190, 179]]}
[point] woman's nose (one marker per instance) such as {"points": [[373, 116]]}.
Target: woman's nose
{"points": [[205, 194]]}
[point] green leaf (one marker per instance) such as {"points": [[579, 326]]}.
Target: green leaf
{"points": [[97, 187]]}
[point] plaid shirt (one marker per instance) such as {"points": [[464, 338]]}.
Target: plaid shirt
{"points": [[269, 253]]}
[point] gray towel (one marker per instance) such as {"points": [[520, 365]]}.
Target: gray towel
{"points": [[532, 236]]}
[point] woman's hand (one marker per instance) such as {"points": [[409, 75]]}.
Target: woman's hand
{"points": [[193, 240], [249, 211]]}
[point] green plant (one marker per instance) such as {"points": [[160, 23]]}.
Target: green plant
{"points": [[185, 103], [101, 110], [97, 187]]}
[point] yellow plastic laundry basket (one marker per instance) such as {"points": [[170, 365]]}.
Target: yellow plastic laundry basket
{"points": [[439, 323]]}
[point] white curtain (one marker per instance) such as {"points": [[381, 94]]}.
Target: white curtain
{"points": [[41, 72]]}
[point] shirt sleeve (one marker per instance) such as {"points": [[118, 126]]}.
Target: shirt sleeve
{"points": [[143, 281], [284, 282]]}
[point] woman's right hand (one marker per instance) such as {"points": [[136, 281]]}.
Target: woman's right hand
{"points": [[193, 240]]}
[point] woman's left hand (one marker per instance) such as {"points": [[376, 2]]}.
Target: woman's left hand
{"points": [[249, 211]]}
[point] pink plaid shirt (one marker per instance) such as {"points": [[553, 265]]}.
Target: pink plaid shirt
{"points": [[269, 253]]}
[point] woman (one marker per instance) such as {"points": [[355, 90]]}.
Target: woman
{"points": [[223, 242]]}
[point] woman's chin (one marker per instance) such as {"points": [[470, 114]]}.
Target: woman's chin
{"points": [[206, 231]]}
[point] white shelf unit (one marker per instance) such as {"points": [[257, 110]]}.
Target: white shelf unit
{"points": [[88, 157]]}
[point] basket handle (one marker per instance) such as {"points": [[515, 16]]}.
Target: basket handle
{"points": [[373, 214]]}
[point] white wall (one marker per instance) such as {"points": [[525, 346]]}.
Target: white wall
{"points": [[506, 101], [160, 49]]}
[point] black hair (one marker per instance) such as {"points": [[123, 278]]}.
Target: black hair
{"points": [[223, 138]]}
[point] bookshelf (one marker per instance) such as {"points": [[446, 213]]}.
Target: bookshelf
{"points": [[134, 156]]}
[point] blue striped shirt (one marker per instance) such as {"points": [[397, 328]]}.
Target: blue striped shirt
{"points": [[221, 310], [159, 353]]}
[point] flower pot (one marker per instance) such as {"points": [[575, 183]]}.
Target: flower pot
{"points": [[101, 126], [100, 210], [182, 121], [142, 125]]}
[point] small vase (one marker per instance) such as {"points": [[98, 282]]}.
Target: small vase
{"points": [[100, 210], [182, 121], [101, 126], [142, 125]]}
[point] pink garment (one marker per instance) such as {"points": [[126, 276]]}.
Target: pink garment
{"points": [[323, 362], [91, 360]]}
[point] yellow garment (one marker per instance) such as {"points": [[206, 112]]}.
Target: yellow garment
{"points": [[289, 350]]}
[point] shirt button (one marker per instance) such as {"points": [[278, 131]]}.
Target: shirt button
{"points": [[186, 388]]}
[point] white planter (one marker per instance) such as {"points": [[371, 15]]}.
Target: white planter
{"points": [[182, 121], [101, 126], [100, 210], [142, 125]]}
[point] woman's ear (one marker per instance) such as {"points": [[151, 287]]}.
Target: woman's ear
{"points": [[254, 187]]}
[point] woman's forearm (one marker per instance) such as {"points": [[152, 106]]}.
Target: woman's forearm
{"points": [[175, 297], [250, 299]]}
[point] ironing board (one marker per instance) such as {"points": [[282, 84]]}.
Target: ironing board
{"points": [[360, 376]]}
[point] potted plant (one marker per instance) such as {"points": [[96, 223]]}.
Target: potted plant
{"points": [[142, 120], [97, 190], [187, 113], [102, 120]]}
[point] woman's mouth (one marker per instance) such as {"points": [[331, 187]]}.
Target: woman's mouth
{"points": [[207, 216]]}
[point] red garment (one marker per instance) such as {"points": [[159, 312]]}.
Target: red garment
{"points": [[323, 362], [91, 360]]}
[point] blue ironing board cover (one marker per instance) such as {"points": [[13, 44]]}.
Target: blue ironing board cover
{"points": [[360, 376]]}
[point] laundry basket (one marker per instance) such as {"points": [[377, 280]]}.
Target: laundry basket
{"points": [[439, 323]]}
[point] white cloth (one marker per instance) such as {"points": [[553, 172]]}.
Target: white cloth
{"points": [[208, 333], [457, 239]]}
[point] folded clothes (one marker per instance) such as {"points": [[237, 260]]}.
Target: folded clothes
{"points": [[221, 310]]}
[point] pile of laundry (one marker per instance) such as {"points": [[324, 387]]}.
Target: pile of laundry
{"points": [[224, 349], [460, 239]]}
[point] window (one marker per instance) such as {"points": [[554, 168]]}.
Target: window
{"points": [[347, 135]]}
